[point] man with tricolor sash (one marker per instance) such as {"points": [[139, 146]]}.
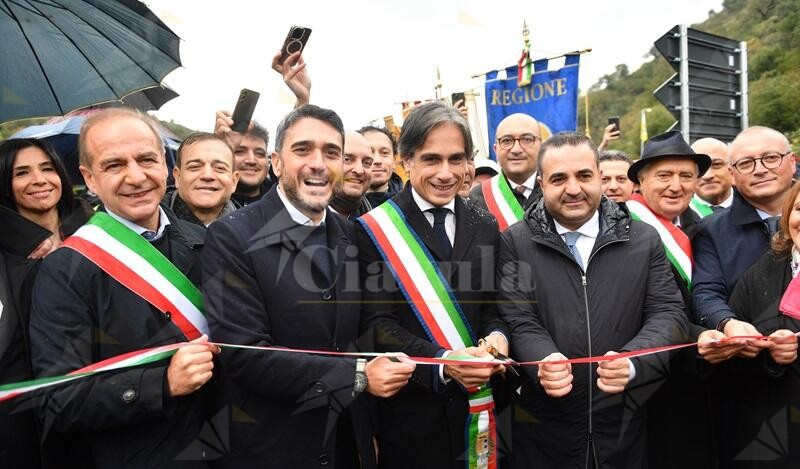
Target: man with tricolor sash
{"points": [[578, 277], [507, 195], [125, 281], [282, 272], [426, 262], [667, 174]]}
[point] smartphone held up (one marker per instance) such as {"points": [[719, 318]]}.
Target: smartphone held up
{"points": [[295, 41]]}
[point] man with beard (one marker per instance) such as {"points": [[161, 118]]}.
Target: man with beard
{"points": [[250, 159], [563, 295], [204, 180], [714, 189], [385, 182], [349, 199], [510, 193], [275, 275]]}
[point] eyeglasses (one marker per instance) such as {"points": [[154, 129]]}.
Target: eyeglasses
{"points": [[769, 160], [525, 141]]}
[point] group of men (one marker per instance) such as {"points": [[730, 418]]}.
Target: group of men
{"points": [[321, 247]]}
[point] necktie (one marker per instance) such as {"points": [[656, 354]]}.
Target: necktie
{"points": [[571, 237], [519, 194], [716, 208], [149, 235], [773, 225], [439, 216]]}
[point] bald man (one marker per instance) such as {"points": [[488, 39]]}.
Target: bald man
{"points": [[727, 244], [510, 193], [714, 190]]}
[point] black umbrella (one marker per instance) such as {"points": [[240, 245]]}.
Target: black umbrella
{"points": [[62, 55]]}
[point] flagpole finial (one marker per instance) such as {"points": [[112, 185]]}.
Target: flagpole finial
{"points": [[438, 86], [526, 33]]}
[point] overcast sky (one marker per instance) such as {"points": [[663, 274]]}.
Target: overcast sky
{"points": [[365, 57]]}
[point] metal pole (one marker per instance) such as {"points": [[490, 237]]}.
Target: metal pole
{"points": [[684, 77], [743, 85], [641, 132]]}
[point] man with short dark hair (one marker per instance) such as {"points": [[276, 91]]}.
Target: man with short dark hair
{"points": [[385, 182], [444, 415], [560, 287], [349, 200], [714, 189], [204, 180], [614, 166], [125, 281], [276, 274], [250, 157], [510, 193]]}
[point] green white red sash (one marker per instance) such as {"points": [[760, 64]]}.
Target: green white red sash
{"points": [[676, 243], [501, 202], [435, 306], [700, 207], [132, 261]]}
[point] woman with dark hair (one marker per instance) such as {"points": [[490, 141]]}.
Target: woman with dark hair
{"points": [[765, 390], [37, 210]]}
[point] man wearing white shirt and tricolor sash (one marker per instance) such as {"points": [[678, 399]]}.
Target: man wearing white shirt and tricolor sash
{"points": [[667, 174], [125, 281], [432, 295], [714, 189], [507, 195]]}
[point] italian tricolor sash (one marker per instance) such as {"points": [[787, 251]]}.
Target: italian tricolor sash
{"points": [[676, 243], [501, 202], [435, 306], [700, 207], [132, 261]]}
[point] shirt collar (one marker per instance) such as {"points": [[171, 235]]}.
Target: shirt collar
{"points": [[764, 215], [163, 221], [528, 184], [424, 205], [590, 229], [299, 217], [727, 202]]}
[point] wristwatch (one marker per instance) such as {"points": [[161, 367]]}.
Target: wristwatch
{"points": [[360, 383], [722, 323]]}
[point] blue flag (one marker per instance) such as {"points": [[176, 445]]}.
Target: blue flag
{"points": [[551, 98]]}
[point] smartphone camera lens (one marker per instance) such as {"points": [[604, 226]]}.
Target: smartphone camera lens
{"points": [[297, 33]]}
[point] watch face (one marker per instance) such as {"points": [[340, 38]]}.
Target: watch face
{"points": [[360, 383]]}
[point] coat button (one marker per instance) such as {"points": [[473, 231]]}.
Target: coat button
{"points": [[169, 316], [128, 396], [319, 388], [323, 459], [326, 295]]}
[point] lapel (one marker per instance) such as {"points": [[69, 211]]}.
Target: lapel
{"points": [[466, 228], [536, 194], [182, 244], [8, 313], [338, 242]]}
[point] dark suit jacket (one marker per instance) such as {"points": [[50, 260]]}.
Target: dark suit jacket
{"points": [[725, 245], [80, 315], [476, 196], [262, 287], [423, 425]]}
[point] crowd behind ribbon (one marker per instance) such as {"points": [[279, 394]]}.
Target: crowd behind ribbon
{"points": [[559, 250]]}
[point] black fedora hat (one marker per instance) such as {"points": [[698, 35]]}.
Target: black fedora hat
{"points": [[667, 145]]}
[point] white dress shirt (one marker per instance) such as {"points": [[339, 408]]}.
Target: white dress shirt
{"points": [[449, 221], [299, 217], [163, 221]]}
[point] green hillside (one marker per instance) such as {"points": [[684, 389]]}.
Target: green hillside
{"points": [[772, 31]]}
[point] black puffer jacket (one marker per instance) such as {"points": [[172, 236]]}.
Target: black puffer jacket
{"points": [[626, 300]]}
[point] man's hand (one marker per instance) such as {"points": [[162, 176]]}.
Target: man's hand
{"points": [[556, 379], [462, 108], [736, 328], [43, 249], [500, 345], [222, 129], [386, 377], [608, 134], [471, 376], [713, 349], [613, 375], [190, 367], [783, 347], [294, 73]]}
